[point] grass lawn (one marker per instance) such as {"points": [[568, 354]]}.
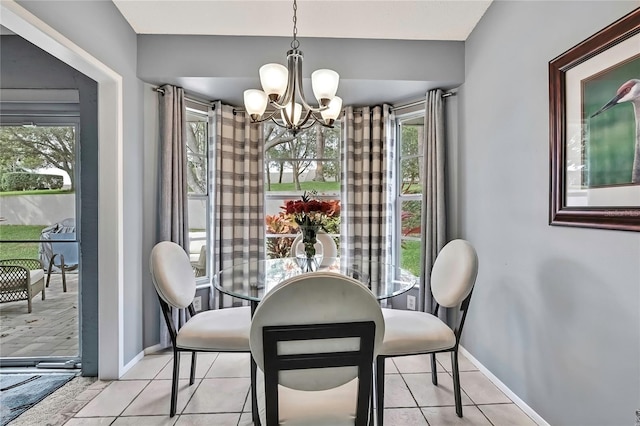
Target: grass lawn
{"points": [[306, 186], [36, 192], [19, 232], [410, 257]]}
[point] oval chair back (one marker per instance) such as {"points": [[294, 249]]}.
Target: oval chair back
{"points": [[172, 274], [332, 327], [454, 273]]}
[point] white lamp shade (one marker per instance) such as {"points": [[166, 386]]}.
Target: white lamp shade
{"points": [[324, 83], [335, 107], [273, 78], [255, 102], [297, 113]]}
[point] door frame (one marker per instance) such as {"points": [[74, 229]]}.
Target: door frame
{"points": [[110, 176]]}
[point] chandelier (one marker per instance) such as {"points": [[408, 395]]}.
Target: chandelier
{"points": [[282, 88]]}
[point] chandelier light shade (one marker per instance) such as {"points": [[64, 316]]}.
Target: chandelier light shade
{"points": [[325, 85], [255, 102], [282, 87], [273, 78], [331, 114]]}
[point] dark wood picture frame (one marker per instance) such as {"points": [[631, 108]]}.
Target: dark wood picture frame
{"points": [[606, 217]]}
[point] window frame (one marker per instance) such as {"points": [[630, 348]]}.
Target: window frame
{"points": [[200, 109], [283, 197], [400, 198]]}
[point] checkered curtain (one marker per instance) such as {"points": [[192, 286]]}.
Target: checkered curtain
{"points": [[172, 211], [238, 188], [367, 190]]}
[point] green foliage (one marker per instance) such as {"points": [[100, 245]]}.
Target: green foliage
{"points": [[197, 157], [316, 149], [410, 154], [20, 181], [36, 147], [279, 247], [411, 217]]}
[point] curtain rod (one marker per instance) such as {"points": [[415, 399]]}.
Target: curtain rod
{"points": [[420, 102], [409, 105], [187, 96]]}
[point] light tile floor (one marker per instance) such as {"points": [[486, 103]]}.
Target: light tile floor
{"points": [[220, 395]]}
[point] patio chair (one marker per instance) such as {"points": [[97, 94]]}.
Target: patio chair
{"points": [[65, 255], [21, 279], [200, 265]]}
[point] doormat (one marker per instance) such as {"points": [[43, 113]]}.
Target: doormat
{"points": [[19, 392]]}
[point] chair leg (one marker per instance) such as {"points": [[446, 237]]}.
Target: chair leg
{"points": [[380, 389], [50, 267], [372, 414], [456, 382], [192, 376], [174, 383], [434, 374], [64, 278], [255, 416]]}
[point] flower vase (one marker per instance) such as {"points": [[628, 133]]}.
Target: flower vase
{"points": [[307, 250]]}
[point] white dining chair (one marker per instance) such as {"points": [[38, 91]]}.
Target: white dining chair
{"points": [[453, 277], [222, 330], [314, 338]]}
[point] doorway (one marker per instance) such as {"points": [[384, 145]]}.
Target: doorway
{"points": [[39, 238]]}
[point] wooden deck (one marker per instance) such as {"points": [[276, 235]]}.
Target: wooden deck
{"points": [[51, 329]]}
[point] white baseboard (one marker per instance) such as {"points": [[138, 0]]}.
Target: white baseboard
{"points": [[520, 403], [131, 363], [153, 349], [147, 351]]}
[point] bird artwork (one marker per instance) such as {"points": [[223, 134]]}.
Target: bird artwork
{"points": [[628, 92]]}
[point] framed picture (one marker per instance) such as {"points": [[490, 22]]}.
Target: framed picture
{"points": [[594, 113]]}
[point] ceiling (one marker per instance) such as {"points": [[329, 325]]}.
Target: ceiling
{"points": [[392, 20], [376, 19]]}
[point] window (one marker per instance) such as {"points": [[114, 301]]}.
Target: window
{"points": [[197, 185], [307, 162], [409, 191]]}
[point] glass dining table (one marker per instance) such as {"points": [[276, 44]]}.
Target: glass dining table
{"points": [[253, 280]]}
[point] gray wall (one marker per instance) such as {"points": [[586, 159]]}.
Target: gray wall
{"points": [[24, 66], [555, 314], [99, 28], [371, 71]]}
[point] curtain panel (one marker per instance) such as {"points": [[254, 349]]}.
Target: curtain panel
{"points": [[434, 196], [367, 186], [172, 201], [238, 188]]}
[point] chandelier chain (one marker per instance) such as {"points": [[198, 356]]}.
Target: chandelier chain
{"points": [[295, 43]]}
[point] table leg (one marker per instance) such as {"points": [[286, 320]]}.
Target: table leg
{"points": [[254, 370]]}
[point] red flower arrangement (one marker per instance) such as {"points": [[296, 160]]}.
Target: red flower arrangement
{"points": [[311, 212]]}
